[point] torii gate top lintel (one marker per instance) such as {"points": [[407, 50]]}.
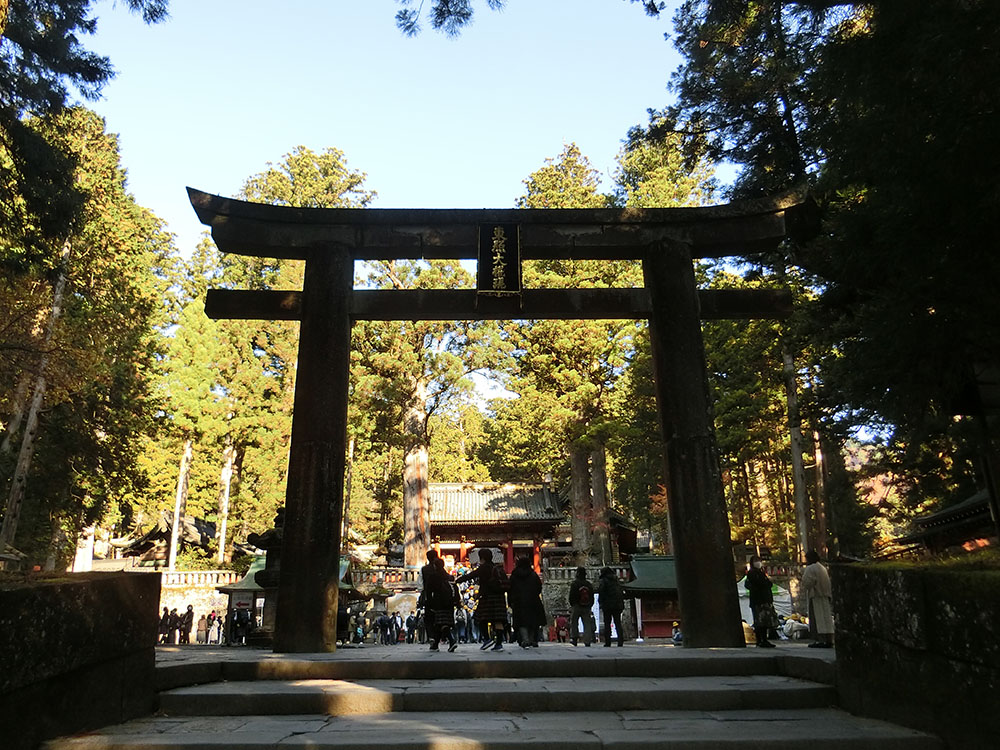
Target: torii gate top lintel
{"points": [[266, 230]]}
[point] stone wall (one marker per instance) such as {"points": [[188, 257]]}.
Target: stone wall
{"points": [[76, 653], [921, 647], [197, 588]]}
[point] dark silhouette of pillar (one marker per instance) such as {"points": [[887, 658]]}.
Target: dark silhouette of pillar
{"points": [[310, 553], [706, 577]]}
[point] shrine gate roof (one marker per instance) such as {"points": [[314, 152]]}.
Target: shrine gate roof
{"points": [[471, 504]]}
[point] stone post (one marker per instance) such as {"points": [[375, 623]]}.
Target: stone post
{"points": [[706, 577], [310, 553]]}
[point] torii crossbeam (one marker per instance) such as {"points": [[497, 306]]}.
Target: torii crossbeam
{"points": [[665, 240]]}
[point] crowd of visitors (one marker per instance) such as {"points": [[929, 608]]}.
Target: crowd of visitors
{"points": [[210, 629], [483, 605]]}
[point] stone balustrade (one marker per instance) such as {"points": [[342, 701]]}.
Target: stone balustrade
{"points": [[386, 575], [567, 574], [392, 576], [205, 578]]}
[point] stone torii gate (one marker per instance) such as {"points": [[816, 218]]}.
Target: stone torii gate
{"points": [[331, 240]]}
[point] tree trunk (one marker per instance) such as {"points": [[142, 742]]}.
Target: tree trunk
{"points": [[348, 481], [180, 500], [416, 526], [579, 487], [751, 512], [225, 488], [383, 496], [819, 543], [83, 561], [18, 404], [234, 491], [599, 491], [57, 539], [804, 542], [4, 12], [15, 499]]}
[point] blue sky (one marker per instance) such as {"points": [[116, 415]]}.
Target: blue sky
{"points": [[207, 98]]}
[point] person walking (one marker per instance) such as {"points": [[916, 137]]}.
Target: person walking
{"points": [[411, 626], [581, 603], [562, 628], [428, 578], [439, 597], [202, 635], [215, 630], [491, 610], [187, 623], [212, 619], [525, 599], [174, 626], [816, 583], [612, 601], [164, 626], [761, 601], [398, 631]]}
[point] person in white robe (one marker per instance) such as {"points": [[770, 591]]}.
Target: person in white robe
{"points": [[816, 584]]}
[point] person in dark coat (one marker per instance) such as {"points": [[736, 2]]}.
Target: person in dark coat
{"points": [[761, 601], [428, 576], [491, 611], [439, 598], [525, 599], [174, 626], [164, 626], [612, 601], [187, 622]]}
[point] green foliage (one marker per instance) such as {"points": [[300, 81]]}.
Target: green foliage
{"points": [[655, 172], [880, 108], [449, 16], [41, 61], [99, 401], [229, 385]]}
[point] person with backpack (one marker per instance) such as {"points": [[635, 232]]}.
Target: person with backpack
{"points": [[581, 602], [612, 601], [491, 611]]}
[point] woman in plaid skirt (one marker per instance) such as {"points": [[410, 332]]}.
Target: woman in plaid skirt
{"points": [[492, 607]]}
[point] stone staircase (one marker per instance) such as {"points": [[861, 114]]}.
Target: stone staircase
{"points": [[555, 697]]}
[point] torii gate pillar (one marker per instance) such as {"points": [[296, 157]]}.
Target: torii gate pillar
{"points": [[695, 499], [310, 553]]}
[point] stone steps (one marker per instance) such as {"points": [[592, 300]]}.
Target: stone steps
{"points": [[504, 694], [470, 663], [554, 698], [816, 729]]}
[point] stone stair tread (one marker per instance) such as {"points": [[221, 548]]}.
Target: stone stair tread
{"points": [[819, 729], [340, 697]]}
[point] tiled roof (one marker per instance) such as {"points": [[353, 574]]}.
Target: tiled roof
{"points": [[474, 503], [653, 573]]}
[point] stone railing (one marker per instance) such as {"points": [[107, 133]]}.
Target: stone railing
{"points": [[386, 575], [567, 574], [207, 578], [392, 576]]}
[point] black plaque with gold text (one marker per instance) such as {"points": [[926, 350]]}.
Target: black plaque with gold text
{"points": [[499, 259]]}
